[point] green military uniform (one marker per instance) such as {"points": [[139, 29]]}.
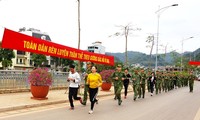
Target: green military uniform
{"points": [[158, 82], [186, 80], [191, 79], [170, 82], [136, 84], [175, 78], [86, 88], [166, 82], [118, 84], [162, 81], [182, 80], [115, 85], [143, 77]]}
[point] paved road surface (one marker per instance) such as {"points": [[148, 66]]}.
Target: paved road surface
{"points": [[178, 104]]}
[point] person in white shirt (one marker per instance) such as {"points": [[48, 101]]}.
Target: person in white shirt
{"points": [[74, 81]]}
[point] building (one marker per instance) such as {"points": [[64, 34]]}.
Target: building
{"points": [[22, 59], [96, 47]]}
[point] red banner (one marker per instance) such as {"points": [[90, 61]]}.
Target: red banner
{"points": [[18, 41], [194, 62]]}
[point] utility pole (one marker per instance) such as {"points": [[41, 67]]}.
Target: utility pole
{"points": [[126, 32], [150, 39], [79, 34]]}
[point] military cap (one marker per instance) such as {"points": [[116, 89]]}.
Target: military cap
{"points": [[119, 65]]}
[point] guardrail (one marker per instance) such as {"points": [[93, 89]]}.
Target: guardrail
{"points": [[17, 80]]}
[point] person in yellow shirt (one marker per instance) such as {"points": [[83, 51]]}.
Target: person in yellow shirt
{"points": [[94, 80]]}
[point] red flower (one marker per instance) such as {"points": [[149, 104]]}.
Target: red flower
{"points": [[40, 77], [106, 75]]}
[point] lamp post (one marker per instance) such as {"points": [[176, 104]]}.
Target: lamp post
{"points": [[79, 34], [158, 12], [79, 29], [182, 51]]}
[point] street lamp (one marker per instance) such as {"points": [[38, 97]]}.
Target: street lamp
{"points": [[182, 50], [158, 12]]}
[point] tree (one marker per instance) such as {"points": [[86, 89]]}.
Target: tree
{"points": [[126, 32], [6, 56], [38, 59], [61, 62], [65, 62], [107, 67]]}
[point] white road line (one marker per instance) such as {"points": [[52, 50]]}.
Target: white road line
{"points": [[197, 116]]}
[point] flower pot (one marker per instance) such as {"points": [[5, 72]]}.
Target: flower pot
{"points": [[39, 92], [106, 86]]}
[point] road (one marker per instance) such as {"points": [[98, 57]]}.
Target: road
{"points": [[177, 104]]}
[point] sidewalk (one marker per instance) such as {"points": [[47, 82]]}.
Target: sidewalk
{"points": [[15, 101]]}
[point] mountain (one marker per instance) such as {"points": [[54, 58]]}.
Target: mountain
{"points": [[163, 59], [134, 57], [196, 54], [193, 56]]}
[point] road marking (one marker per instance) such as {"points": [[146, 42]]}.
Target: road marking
{"points": [[10, 114], [197, 117]]}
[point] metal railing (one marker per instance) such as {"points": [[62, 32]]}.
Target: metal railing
{"points": [[17, 80]]}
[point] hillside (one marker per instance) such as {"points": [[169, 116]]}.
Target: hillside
{"points": [[147, 60]]}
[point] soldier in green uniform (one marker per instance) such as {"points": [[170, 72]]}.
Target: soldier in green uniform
{"points": [[175, 78], [166, 82], [179, 80], [162, 81], [186, 80], [182, 80], [169, 81], [136, 84], [117, 77], [158, 82], [86, 86], [143, 77], [191, 79]]}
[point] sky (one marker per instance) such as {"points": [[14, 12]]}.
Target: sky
{"points": [[100, 20]]}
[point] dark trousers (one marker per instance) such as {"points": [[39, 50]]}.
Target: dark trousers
{"points": [[93, 94], [151, 87], [175, 83], [142, 90], [73, 93], [126, 88]]}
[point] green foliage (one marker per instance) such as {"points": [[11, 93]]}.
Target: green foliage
{"points": [[66, 62], [6, 56], [101, 67], [197, 69], [38, 59], [62, 62]]}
